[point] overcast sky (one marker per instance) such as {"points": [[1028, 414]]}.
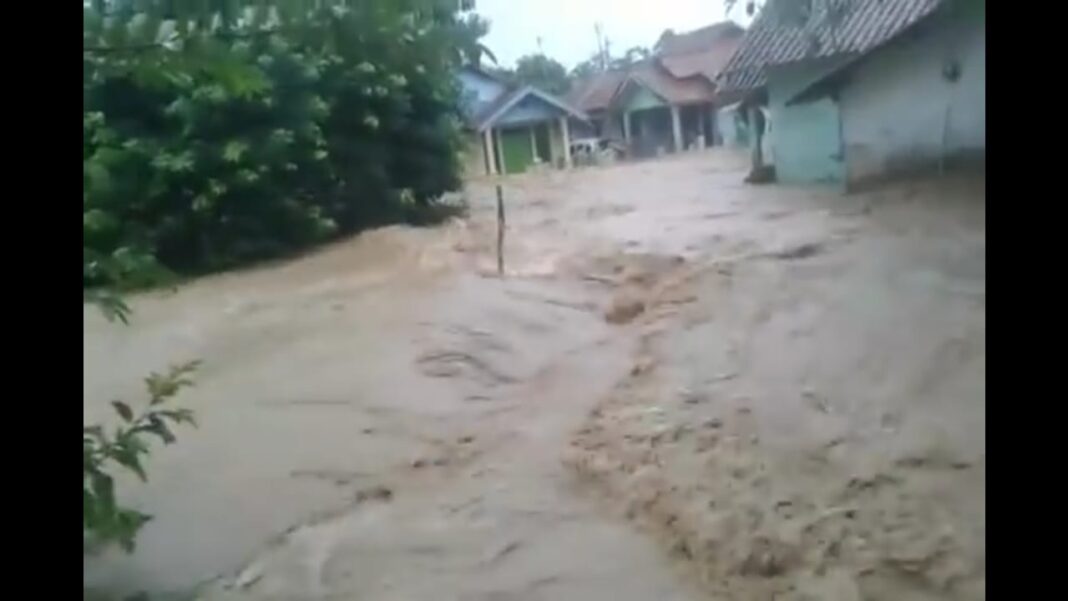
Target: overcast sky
{"points": [[566, 27]]}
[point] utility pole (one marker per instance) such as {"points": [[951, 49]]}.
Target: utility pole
{"points": [[597, 28]]}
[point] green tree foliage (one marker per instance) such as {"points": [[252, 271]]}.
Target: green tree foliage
{"points": [[587, 68], [796, 12], [543, 73], [217, 132], [631, 57], [598, 63]]}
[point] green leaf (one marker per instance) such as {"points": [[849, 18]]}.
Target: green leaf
{"points": [[129, 457], [103, 488], [96, 221], [159, 427], [127, 524], [98, 180], [89, 513], [234, 150], [123, 410], [180, 416], [113, 307], [160, 387]]}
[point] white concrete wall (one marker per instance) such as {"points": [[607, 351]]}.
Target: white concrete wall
{"points": [[556, 142], [473, 156], [900, 113]]}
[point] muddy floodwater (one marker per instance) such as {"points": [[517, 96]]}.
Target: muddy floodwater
{"points": [[683, 388]]}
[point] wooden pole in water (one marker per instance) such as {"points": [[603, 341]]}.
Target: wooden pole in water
{"points": [[500, 231]]}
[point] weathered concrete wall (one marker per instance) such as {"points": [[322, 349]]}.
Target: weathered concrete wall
{"points": [[472, 158], [901, 113], [730, 128], [556, 144], [650, 131], [767, 147], [805, 138]]}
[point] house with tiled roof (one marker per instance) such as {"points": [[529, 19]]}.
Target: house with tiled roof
{"points": [[593, 95], [666, 102], [512, 128], [704, 51], [661, 112], [871, 89]]}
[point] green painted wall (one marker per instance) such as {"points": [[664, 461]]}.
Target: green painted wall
{"points": [[641, 98], [806, 139], [541, 134], [515, 145]]}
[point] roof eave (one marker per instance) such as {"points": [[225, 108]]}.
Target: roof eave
{"points": [[639, 82], [491, 119]]}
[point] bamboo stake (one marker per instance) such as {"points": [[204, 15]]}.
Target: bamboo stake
{"points": [[500, 231]]}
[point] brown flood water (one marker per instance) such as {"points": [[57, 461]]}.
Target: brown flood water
{"points": [[787, 400]]}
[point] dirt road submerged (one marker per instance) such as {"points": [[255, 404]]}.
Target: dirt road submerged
{"points": [[787, 394]]}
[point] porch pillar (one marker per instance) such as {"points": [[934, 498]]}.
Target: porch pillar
{"points": [[565, 131], [676, 127], [501, 167], [702, 136], [626, 127], [487, 151], [533, 143], [713, 127]]}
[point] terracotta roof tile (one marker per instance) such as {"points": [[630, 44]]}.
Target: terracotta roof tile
{"points": [[703, 52], [595, 93], [673, 89]]}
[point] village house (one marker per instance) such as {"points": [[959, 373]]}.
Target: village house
{"points": [[512, 128], [593, 96], [896, 86], [667, 102]]}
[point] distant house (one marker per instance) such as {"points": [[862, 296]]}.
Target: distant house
{"points": [[511, 128], [662, 113], [665, 103], [703, 52], [593, 95], [896, 86]]}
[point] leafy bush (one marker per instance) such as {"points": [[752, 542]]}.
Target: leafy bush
{"points": [[223, 131], [104, 520], [218, 133]]}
